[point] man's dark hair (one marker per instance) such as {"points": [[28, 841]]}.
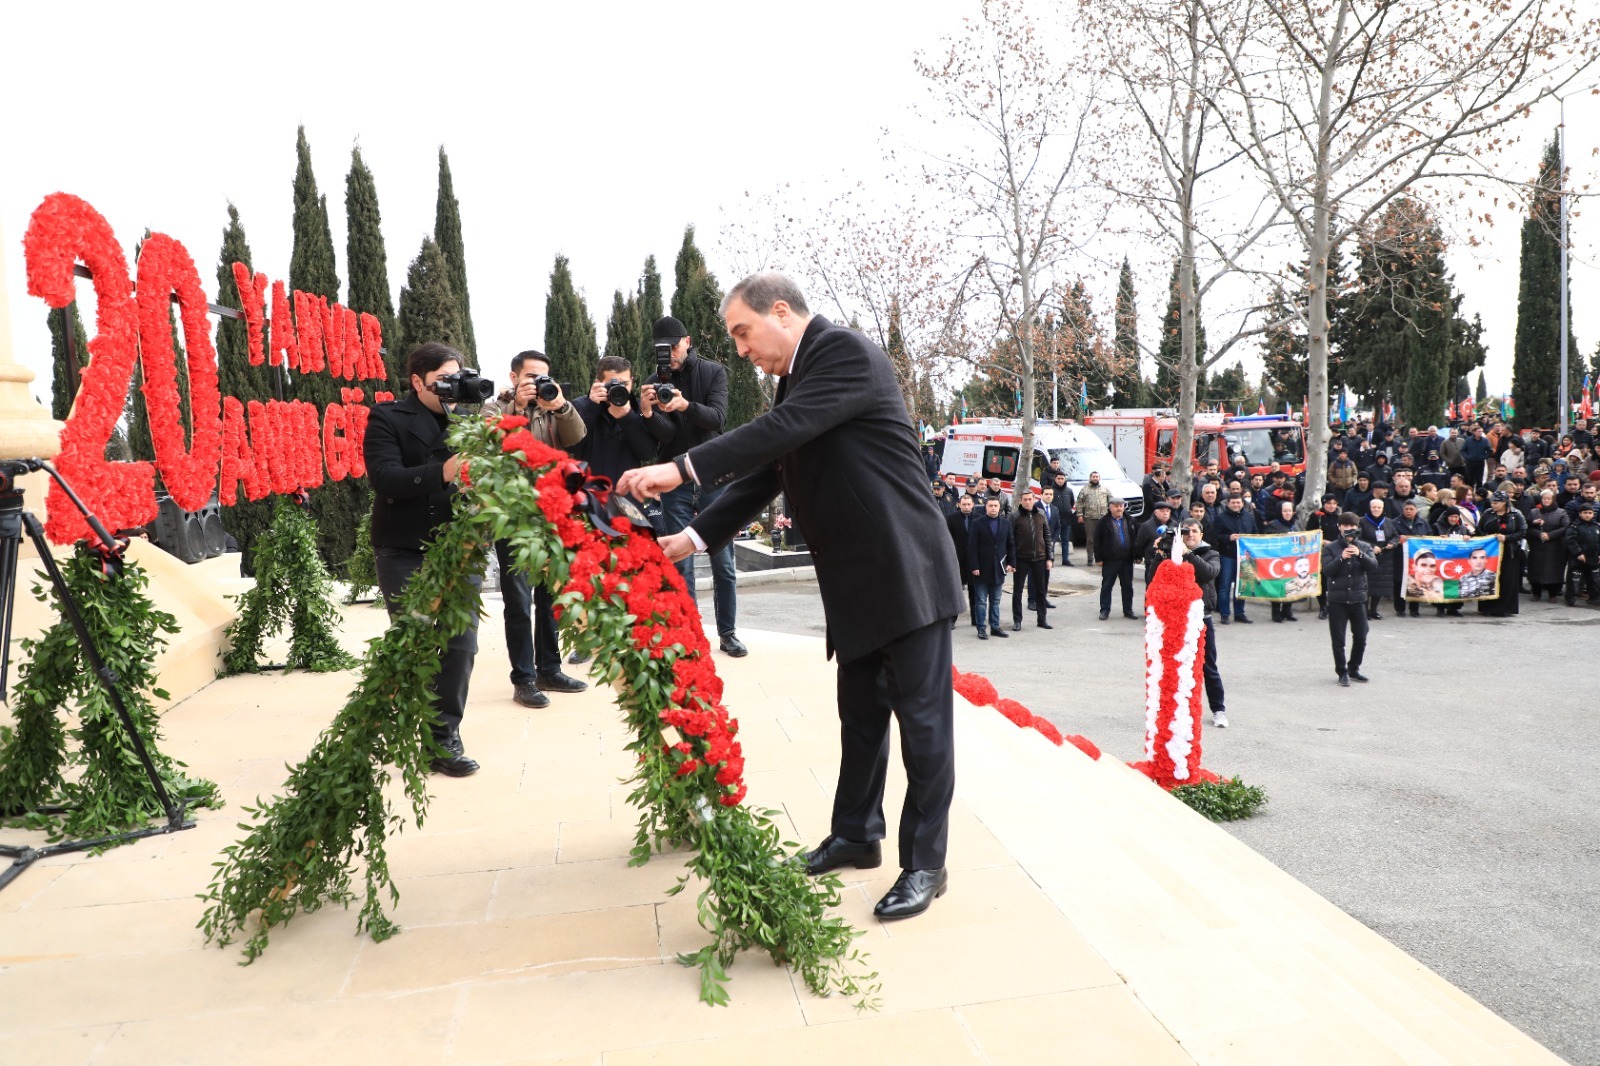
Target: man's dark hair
{"points": [[1348, 518], [610, 364], [426, 358], [522, 357]]}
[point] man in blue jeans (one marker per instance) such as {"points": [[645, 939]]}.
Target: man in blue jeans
{"points": [[693, 413], [991, 552]]}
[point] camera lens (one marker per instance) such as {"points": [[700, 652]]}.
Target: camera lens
{"points": [[618, 394], [665, 393], [546, 389]]}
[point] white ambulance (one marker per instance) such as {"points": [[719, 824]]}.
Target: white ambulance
{"points": [[988, 447]]}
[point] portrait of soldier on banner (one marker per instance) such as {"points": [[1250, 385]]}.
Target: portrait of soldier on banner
{"points": [[1280, 568], [1451, 569]]}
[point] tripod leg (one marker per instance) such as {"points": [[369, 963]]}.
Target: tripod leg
{"points": [[107, 676], [10, 542]]}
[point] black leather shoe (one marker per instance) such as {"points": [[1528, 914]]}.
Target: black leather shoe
{"points": [[559, 682], [835, 852], [1242, 620], [912, 894], [1130, 614], [1049, 606], [577, 658], [1322, 615], [1046, 625], [1344, 679], [528, 695], [454, 766], [1104, 615], [982, 635], [734, 647], [1357, 675], [1002, 634], [1016, 627]]}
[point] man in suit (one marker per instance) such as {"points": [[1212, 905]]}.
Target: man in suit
{"points": [[991, 555], [837, 436], [960, 526], [413, 475], [1113, 546]]}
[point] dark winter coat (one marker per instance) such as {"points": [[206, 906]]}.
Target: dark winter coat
{"points": [[1348, 580], [1243, 523], [1547, 559], [1107, 547], [1386, 550], [991, 547], [1583, 538]]}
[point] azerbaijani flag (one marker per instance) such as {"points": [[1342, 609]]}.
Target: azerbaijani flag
{"points": [[1283, 567], [1509, 407], [1083, 396], [1452, 569]]}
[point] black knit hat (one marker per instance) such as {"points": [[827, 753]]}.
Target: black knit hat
{"points": [[668, 330]]}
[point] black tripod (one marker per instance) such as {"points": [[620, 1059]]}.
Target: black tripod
{"points": [[13, 520]]}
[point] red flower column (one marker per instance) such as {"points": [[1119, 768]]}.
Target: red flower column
{"points": [[1174, 661]]}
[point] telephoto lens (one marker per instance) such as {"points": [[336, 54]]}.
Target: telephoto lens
{"points": [[618, 394], [545, 387]]}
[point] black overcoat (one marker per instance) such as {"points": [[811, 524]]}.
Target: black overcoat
{"points": [[839, 445], [405, 453]]}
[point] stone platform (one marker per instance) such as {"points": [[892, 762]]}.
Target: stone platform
{"points": [[1090, 918]]}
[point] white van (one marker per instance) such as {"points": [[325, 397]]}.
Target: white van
{"points": [[988, 447]]}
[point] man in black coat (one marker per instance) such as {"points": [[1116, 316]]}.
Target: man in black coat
{"points": [[991, 555], [413, 476], [960, 527], [1348, 568], [838, 444], [1113, 545]]}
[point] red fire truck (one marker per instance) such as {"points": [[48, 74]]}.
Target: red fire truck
{"points": [[1139, 437]]}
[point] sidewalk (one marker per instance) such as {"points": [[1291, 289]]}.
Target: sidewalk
{"points": [[1090, 918]]}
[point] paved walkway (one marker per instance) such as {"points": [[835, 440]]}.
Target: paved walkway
{"points": [[1090, 918]]}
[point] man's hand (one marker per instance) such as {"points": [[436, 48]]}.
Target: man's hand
{"points": [[597, 393], [1351, 551], [647, 401], [553, 405], [677, 404], [1012, 569], [650, 481], [1049, 563], [975, 573], [676, 546], [452, 468]]}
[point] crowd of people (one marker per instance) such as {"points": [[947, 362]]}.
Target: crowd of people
{"points": [[1534, 491]]}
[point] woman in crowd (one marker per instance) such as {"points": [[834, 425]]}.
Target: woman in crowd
{"points": [[1547, 548], [1506, 523], [1284, 523], [1377, 529]]}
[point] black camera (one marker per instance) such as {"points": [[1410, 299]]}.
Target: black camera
{"points": [[666, 392], [1163, 544], [464, 386], [546, 388], [618, 394]]}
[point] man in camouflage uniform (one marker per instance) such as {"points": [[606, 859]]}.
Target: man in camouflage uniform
{"points": [[1093, 504]]}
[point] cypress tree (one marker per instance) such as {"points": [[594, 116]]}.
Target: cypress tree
{"points": [[651, 308], [63, 385], [246, 520], [697, 303], [1480, 395], [569, 334], [1536, 360], [429, 310], [369, 264], [626, 335], [337, 507], [447, 234], [1128, 385]]}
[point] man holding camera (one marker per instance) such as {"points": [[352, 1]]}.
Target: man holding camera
{"points": [[618, 436], [530, 622], [1348, 566], [1189, 546], [692, 394], [413, 476]]}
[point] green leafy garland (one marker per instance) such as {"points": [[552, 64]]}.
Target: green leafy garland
{"points": [[1227, 800], [361, 569], [292, 589], [302, 849], [110, 792]]}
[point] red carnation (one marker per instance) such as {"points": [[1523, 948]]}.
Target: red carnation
{"points": [[733, 800], [1015, 711], [508, 423], [1048, 728], [1084, 744]]}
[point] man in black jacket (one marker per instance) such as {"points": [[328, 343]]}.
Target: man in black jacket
{"points": [[1064, 504], [960, 527], [1113, 546], [1032, 533], [838, 444], [413, 475], [991, 555], [618, 436], [695, 415], [1190, 547], [1348, 565]]}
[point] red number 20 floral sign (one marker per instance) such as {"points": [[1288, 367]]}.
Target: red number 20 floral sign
{"points": [[265, 447]]}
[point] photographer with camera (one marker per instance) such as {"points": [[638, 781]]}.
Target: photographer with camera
{"points": [[1348, 569], [692, 394], [618, 436], [529, 619], [413, 476], [1188, 545]]}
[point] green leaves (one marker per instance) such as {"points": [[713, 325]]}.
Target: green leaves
{"points": [[1223, 801]]}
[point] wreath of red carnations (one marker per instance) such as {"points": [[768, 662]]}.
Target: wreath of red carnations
{"points": [[652, 591], [980, 692]]}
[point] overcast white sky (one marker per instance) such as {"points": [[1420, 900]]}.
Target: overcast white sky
{"points": [[596, 130]]}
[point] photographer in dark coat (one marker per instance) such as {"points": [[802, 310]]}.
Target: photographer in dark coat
{"points": [[413, 476], [1348, 569], [695, 415], [618, 436], [838, 444], [1189, 546]]}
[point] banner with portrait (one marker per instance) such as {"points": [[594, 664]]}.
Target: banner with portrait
{"points": [[1451, 569], [1280, 567]]}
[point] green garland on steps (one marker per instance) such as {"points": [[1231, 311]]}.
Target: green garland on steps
{"points": [[1227, 800], [302, 848], [292, 589], [100, 784]]}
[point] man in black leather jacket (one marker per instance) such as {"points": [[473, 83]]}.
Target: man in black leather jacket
{"points": [[1190, 547], [413, 475]]}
